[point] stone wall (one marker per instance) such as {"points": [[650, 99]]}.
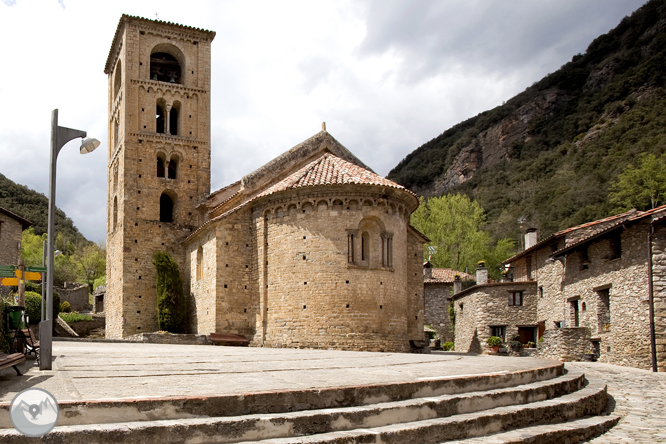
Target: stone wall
{"points": [[591, 274], [484, 306], [10, 239], [77, 296], [437, 301], [565, 344], [284, 279], [659, 292]]}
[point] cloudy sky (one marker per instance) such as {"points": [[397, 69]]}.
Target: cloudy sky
{"points": [[385, 75]]}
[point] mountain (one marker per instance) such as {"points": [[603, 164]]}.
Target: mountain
{"points": [[34, 206], [550, 154]]}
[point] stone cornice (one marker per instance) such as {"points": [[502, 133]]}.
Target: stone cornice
{"points": [[516, 284], [176, 87]]}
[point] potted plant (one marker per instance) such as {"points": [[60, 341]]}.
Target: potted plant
{"points": [[494, 342], [588, 356], [530, 344]]}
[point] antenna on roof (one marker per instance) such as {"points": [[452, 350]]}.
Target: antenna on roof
{"points": [[156, 17], [323, 126]]}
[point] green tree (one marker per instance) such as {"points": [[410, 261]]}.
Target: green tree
{"points": [[454, 223], [32, 247], [171, 310], [90, 260], [642, 187]]}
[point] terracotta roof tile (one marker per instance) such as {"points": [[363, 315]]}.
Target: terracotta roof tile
{"points": [[329, 170], [447, 276]]}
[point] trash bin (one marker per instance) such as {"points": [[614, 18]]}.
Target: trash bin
{"points": [[14, 314]]}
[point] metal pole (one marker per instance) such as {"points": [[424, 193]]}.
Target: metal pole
{"points": [[46, 326], [43, 281]]}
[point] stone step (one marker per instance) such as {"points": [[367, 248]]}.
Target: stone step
{"points": [[174, 408], [589, 401], [415, 414], [579, 430]]}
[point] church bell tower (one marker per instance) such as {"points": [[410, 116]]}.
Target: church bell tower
{"points": [[159, 160]]}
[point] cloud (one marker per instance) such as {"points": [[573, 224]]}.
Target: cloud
{"points": [[385, 75]]}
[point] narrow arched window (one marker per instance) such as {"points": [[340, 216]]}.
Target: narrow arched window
{"points": [[173, 166], [115, 132], [199, 263], [365, 246], [159, 120], [164, 68], [118, 79], [166, 208], [173, 121], [160, 167], [115, 213]]}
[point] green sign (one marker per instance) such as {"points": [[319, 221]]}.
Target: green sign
{"points": [[8, 267], [6, 274], [36, 269]]}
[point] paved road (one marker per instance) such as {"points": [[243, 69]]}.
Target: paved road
{"points": [[88, 370], [639, 397]]}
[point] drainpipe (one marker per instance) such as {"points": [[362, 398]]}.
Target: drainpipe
{"points": [[653, 342]]}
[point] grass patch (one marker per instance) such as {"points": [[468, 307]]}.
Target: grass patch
{"points": [[75, 317]]}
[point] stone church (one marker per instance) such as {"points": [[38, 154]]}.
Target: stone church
{"points": [[313, 249]]}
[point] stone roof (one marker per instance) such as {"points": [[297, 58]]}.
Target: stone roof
{"points": [[325, 170], [447, 276], [656, 214], [574, 235], [24, 222], [101, 289], [330, 170]]}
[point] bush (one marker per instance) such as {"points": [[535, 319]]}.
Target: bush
{"points": [[33, 307], [447, 346], [171, 309], [494, 341], [65, 307], [75, 317]]}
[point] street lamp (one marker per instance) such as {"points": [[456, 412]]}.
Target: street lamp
{"points": [[59, 137]]}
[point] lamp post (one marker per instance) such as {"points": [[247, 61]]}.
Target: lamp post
{"points": [[59, 137]]}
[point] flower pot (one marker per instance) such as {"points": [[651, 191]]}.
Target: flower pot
{"points": [[495, 348], [589, 357]]}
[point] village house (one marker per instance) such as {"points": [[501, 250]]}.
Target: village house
{"points": [[599, 287], [11, 230], [439, 286], [312, 249]]}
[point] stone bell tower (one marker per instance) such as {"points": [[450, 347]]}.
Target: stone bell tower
{"points": [[159, 159]]}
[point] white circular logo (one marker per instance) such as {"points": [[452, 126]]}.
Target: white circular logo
{"points": [[34, 412]]}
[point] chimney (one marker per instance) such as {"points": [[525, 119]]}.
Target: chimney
{"points": [[481, 274], [427, 270], [457, 284], [530, 238]]}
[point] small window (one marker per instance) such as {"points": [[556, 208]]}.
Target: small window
{"points": [[615, 245], [584, 260], [115, 213], [350, 247], [160, 167], [365, 246], [499, 331], [515, 298], [166, 208], [159, 119], [173, 166], [540, 292]]}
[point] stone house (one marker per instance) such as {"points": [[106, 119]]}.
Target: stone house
{"points": [[599, 287], [11, 229], [439, 286], [313, 249]]}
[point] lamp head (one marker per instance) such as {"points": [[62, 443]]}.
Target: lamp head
{"points": [[88, 145]]}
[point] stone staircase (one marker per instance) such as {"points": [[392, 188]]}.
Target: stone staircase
{"points": [[543, 405]]}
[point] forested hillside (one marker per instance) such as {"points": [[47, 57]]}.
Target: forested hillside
{"points": [[33, 206], [551, 153]]}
